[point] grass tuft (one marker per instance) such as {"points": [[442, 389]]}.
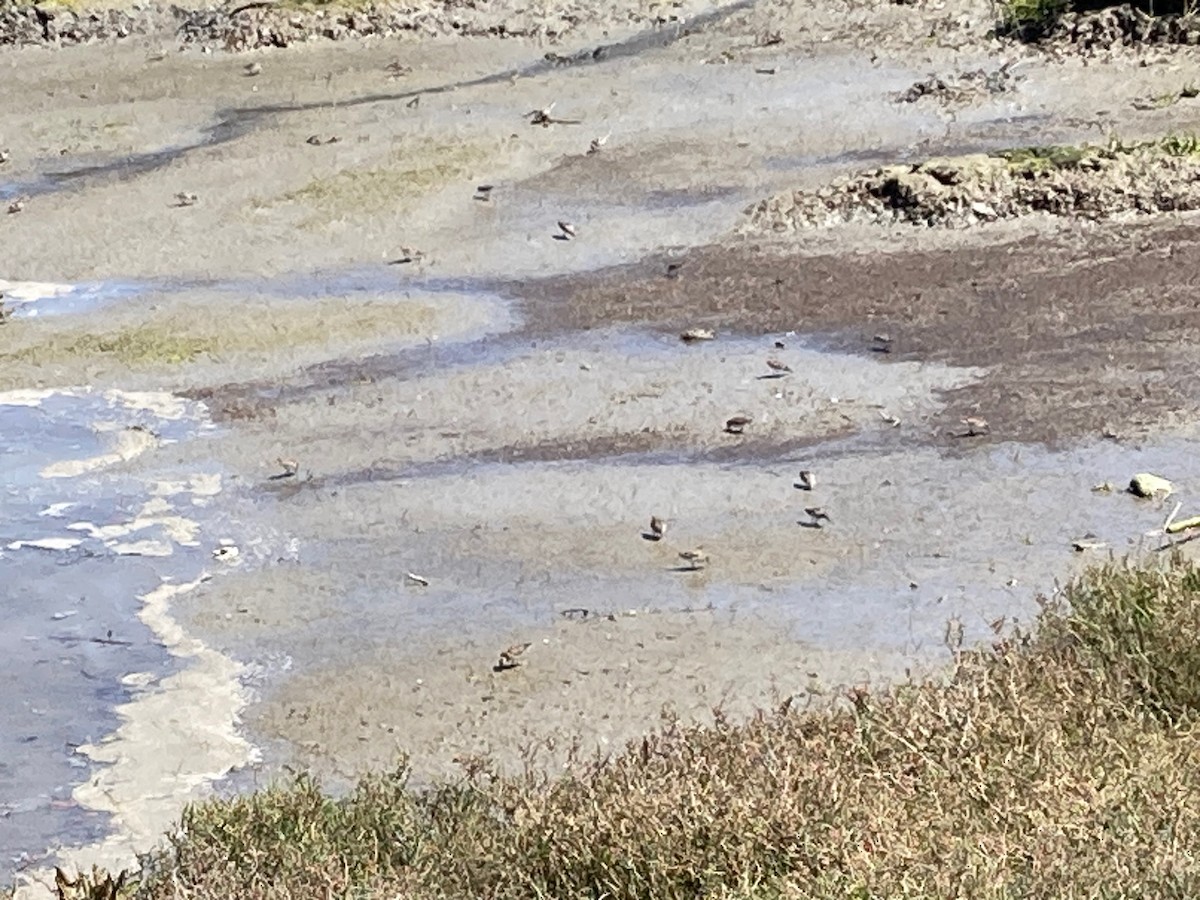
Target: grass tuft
{"points": [[1060, 762]]}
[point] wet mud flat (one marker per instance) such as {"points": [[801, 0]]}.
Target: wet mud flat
{"points": [[480, 410]]}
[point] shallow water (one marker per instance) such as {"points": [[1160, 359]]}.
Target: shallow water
{"points": [[69, 594]]}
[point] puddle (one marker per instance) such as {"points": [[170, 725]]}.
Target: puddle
{"points": [[28, 299]]}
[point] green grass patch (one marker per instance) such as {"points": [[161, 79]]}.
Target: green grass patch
{"points": [[135, 347], [1047, 158], [1030, 18], [1060, 762]]}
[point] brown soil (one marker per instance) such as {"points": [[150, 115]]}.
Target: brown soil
{"points": [[1082, 332]]}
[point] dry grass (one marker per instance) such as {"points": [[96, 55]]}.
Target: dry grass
{"points": [[1058, 763]]}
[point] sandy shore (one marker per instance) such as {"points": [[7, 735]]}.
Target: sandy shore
{"points": [[477, 397]]}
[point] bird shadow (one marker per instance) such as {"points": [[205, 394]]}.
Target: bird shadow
{"points": [[686, 569], [651, 536], [804, 524], [281, 476], [800, 486], [772, 376], [505, 667], [560, 237]]}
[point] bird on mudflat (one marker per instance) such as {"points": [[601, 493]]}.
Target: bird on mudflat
{"points": [[510, 657], [976, 426], [806, 480], [817, 515], [776, 366], [737, 424], [657, 528], [697, 558]]}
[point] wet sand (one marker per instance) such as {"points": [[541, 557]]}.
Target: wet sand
{"points": [[473, 399]]}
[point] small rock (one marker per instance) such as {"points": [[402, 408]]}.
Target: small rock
{"points": [[1146, 485]]}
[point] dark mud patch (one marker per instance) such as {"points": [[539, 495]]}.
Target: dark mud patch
{"points": [[964, 87], [1083, 334], [1098, 32]]}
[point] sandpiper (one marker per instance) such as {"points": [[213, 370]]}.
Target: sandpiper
{"points": [[252, 69], [289, 466], [510, 658], [541, 116], [697, 334], [737, 424], [567, 229], [15, 207], [597, 143], [697, 558], [657, 528], [397, 69], [881, 343], [807, 480], [976, 426], [776, 366], [817, 515], [673, 269], [186, 198], [4, 157], [407, 255], [483, 192]]}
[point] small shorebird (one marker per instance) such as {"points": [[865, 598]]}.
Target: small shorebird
{"points": [[817, 515], [881, 343], [397, 69], [317, 141], [407, 255], [673, 269], [510, 658], [567, 229], [697, 334], [4, 157], [737, 424], [484, 192], [657, 529], [697, 558], [544, 118], [807, 480], [290, 467], [15, 207], [779, 345], [976, 426], [186, 198], [597, 143], [541, 116], [252, 69], [776, 366]]}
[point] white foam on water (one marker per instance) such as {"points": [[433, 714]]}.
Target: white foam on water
{"points": [[50, 543]]}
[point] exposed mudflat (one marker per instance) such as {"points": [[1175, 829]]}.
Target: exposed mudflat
{"points": [[442, 420]]}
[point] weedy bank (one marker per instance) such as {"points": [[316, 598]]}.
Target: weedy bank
{"points": [[1059, 762]]}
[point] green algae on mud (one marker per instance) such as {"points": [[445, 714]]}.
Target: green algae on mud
{"points": [[64, 351], [1051, 763], [413, 172]]}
